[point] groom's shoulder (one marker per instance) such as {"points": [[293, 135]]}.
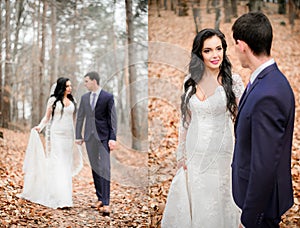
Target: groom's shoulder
{"points": [[87, 94], [107, 94]]}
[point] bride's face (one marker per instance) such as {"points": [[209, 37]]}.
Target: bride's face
{"points": [[68, 88], [212, 52]]}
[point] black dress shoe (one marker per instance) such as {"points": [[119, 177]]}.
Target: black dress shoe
{"points": [[105, 210], [65, 208], [106, 213]]}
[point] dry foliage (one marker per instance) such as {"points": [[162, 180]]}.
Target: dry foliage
{"points": [[129, 203]]}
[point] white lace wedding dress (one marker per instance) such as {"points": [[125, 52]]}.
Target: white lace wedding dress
{"points": [[48, 175], [201, 196]]}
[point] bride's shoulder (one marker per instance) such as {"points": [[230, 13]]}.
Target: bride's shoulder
{"points": [[51, 100], [236, 77], [237, 85]]}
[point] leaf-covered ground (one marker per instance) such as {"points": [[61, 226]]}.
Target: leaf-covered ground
{"points": [[172, 37], [129, 200]]}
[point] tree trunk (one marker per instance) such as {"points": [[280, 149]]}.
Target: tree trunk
{"points": [[1, 82], [282, 6], [197, 16], [73, 65], [217, 6], [139, 126], [227, 11], [35, 85], [8, 69], [53, 55], [292, 13], [42, 63], [254, 5], [234, 8], [15, 85]]}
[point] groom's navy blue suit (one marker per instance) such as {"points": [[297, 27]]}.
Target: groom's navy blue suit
{"points": [[100, 127], [261, 167]]}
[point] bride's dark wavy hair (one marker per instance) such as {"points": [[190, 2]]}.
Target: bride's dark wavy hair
{"points": [[59, 91], [196, 70]]}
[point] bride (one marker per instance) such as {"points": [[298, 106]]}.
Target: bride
{"points": [[200, 193], [48, 174]]}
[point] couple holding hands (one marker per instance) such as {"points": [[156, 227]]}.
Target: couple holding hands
{"points": [[48, 175]]}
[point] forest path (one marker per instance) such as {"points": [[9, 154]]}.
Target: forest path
{"points": [[129, 201]]}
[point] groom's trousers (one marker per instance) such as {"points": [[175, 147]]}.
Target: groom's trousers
{"points": [[99, 157]]}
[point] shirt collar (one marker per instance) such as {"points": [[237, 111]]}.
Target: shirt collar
{"points": [[260, 69], [97, 92]]}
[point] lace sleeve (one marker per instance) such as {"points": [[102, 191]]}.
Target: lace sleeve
{"points": [[47, 116], [181, 152], [237, 85]]}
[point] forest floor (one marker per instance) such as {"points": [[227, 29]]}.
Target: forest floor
{"points": [[140, 181], [129, 193]]}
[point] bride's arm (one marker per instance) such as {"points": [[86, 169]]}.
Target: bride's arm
{"points": [[237, 86], [47, 116], [181, 150]]}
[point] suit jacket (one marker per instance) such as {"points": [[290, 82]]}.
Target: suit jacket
{"points": [[261, 167], [101, 122]]}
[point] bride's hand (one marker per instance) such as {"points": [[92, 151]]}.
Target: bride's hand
{"points": [[37, 129], [181, 163]]}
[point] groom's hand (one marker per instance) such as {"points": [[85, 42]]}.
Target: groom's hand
{"points": [[112, 144], [79, 141]]}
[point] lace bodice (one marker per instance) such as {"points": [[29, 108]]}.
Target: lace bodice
{"points": [[212, 111]]}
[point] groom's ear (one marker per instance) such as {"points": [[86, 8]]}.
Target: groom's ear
{"points": [[242, 45]]}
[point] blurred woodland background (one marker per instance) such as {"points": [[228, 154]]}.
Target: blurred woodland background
{"points": [[42, 40]]}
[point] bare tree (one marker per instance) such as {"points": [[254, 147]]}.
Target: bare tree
{"points": [[227, 11], [1, 59], [282, 6], [8, 69], [197, 15], [234, 8], [292, 12], [35, 82], [42, 61], [255, 5], [16, 82], [138, 126], [53, 55], [217, 6]]}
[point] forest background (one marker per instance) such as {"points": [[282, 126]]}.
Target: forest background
{"points": [[141, 50]]}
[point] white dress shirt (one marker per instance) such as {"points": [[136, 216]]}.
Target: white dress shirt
{"points": [[260, 69], [96, 98]]}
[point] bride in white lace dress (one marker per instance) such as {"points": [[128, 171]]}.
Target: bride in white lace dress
{"points": [[200, 193], [48, 174]]}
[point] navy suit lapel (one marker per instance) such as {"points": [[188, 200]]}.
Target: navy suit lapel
{"points": [[89, 101], [256, 81], [97, 101]]}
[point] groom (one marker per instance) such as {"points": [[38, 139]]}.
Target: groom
{"points": [[261, 167], [97, 108]]}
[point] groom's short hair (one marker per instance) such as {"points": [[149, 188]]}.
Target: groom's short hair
{"points": [[93, 75]]}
